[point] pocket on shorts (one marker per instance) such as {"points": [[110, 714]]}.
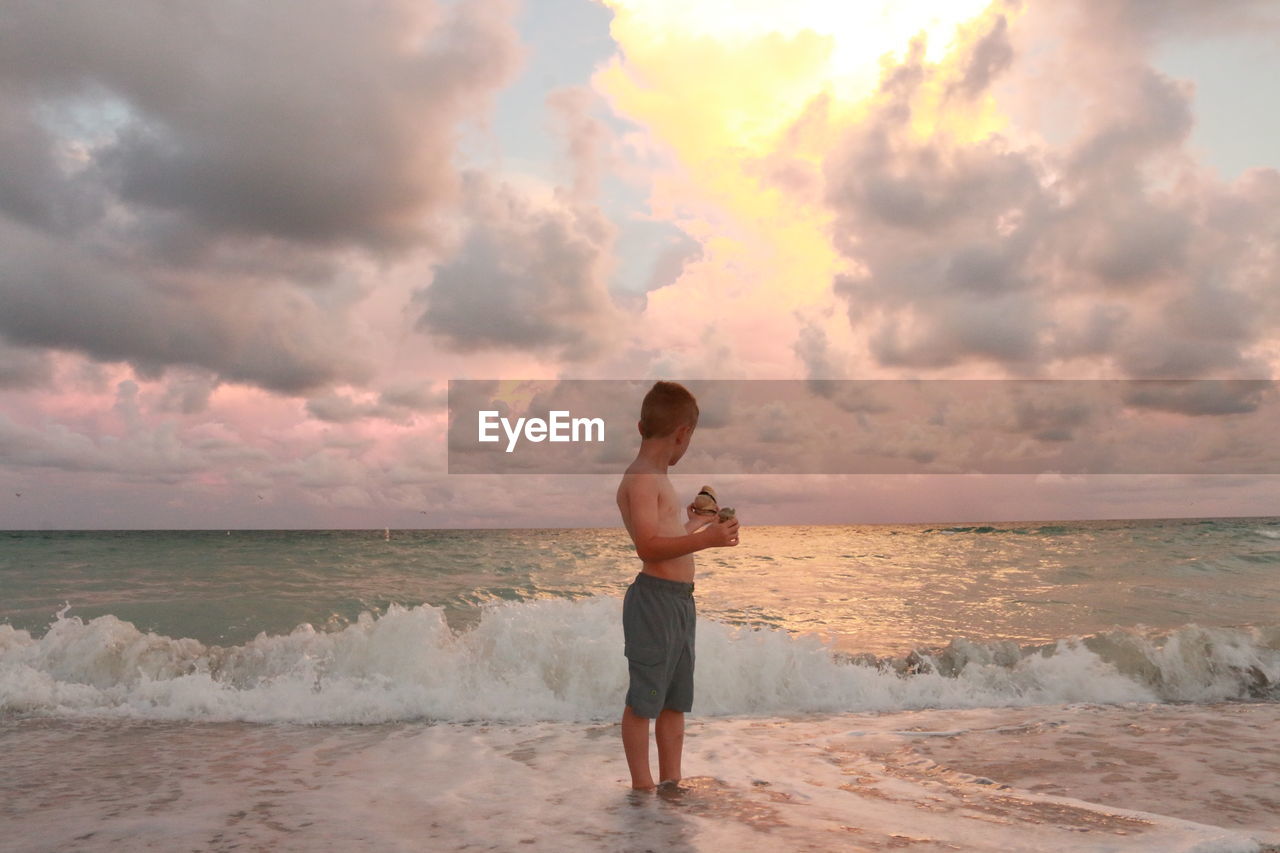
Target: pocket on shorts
{"points": [[644, 655]]}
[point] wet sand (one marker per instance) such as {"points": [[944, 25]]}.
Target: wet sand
{"points": [[1053, 778]]}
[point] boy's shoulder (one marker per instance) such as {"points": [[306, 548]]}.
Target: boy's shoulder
{"points": [[641, 478], [629, 479], [638, 468], [637, 472]]}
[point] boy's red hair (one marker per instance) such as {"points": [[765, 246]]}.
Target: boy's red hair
{"points": [[668, 405]]}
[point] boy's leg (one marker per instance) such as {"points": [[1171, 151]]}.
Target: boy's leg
{"points": [[669, 732], [635, 743]]}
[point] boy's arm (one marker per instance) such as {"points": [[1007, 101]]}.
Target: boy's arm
{"points": [[654, 548]]}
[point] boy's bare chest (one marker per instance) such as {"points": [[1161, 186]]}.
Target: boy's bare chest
{"points": [[668, 506]]}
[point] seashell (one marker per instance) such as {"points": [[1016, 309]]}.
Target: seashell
{"points": [[705, 502], [726, 513]]}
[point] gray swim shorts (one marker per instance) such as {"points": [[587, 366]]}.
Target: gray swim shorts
{"points": [[658, 621]]}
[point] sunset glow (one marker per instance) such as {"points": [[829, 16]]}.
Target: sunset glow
{"points": [[265, 311]]}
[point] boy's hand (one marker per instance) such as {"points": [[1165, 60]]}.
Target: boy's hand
{"points": [[724, 533]]}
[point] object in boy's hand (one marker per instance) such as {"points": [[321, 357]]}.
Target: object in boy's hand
{"points": [[726, 513], [705, 503]]}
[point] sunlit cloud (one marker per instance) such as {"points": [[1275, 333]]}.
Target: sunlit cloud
{"points": [[749, 102]]}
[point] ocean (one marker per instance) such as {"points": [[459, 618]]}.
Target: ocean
{"points": [[1059, 685]]}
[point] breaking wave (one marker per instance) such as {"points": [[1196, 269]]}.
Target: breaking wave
{"points": [[562, 660]]}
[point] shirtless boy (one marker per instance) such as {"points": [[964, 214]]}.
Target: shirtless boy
{"points": [[657, 611]]}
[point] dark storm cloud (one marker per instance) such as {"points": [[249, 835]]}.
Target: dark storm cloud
{"points": [[530, 276], [179, 182], [984, 250]]}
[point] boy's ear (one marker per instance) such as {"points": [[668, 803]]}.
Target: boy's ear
{"points": [[640, 428], [683, 432]]}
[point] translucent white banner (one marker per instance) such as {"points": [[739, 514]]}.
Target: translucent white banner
{"points": [[855, 426]]}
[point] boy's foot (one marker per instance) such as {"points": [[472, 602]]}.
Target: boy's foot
{"points": [[669, 788]]}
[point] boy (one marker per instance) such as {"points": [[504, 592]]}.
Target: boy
{"points": [[657, 611]]}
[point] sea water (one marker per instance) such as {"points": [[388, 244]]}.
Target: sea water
{"points": [[1100, 685]]}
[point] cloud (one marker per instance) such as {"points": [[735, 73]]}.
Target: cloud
{"points": [[920, 218], [33, 189], [337, 409], [188, 394], [968, 244], [68, 297], [814, 350], [328, 469], [989, 55], [680, 251], [394, 404], [163, 453], [418, 396], [1126, 21], [531, 275], [197, 188], [588, 139], [1199, 398], [532, 272], [22, 368], [317, 124]]}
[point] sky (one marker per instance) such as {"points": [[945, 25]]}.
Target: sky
{"points": [[244, 247]]}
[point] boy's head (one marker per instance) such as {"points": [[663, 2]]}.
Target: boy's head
{"points": [[669, 411]]}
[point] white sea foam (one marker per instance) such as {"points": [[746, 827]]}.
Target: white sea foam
{"points": [[562, 660]]}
